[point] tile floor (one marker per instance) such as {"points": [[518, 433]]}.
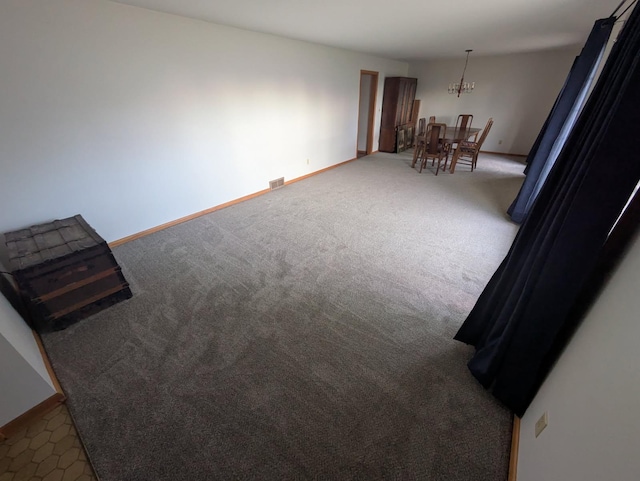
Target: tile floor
{"points": [[47, 450]]}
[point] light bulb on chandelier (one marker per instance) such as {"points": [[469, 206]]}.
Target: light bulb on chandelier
{"points": [[462, 87]]}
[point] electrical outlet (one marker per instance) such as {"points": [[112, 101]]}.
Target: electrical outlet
{"points": [[541, 423], [307, 161]]}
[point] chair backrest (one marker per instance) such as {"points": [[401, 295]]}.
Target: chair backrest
{"points": [[464, 121], [434, 136], [485, 132], [422, 126], [432, 119]]}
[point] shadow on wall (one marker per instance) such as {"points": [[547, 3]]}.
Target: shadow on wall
{"points": [[8, 288], [10, 292]]}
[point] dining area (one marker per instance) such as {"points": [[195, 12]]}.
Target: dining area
{"points": [[446, 146]]}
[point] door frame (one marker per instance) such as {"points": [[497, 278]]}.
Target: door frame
{"points": [[373, 93]]}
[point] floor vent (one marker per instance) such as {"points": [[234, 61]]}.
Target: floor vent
{"points": [[276, 184]]}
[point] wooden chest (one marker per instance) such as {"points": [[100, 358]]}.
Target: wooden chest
{"points": [[65, 271]]}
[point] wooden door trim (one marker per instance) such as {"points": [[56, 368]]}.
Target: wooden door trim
{"points": [[373, 94]]}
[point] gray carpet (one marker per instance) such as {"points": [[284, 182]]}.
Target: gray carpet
{"points": [[304, 334]]}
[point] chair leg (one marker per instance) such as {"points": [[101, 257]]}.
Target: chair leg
{"points": [[415, 155]]}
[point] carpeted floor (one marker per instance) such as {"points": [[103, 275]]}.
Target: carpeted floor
{"points": [[304, 334]]}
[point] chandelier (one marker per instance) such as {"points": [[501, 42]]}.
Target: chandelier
{"points": [[462, 87]]}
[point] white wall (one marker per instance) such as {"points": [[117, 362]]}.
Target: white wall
{"points": [[517, 90], [134, 118], [592, 395], [24, 379]]}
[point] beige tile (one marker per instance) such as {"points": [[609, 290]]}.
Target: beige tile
{"points": [[68, 458], [64, 444], [43, 452], [47, 450], [16, 437], [48, 465], [18, 448], [89, 470], [73, 472], [4, 464], [56, 422], [21, 460], [36, 428], [60, 433], [52, 414], [55, 475], [26, 473], [39, 440]]}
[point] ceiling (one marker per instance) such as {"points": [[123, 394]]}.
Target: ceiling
{"points": [[406, 29]]}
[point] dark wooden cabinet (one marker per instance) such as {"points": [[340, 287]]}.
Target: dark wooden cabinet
{"points": [[397, 110]]}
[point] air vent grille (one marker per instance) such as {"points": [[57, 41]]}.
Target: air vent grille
{"points": [[276, 184]]}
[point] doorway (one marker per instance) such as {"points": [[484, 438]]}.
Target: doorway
{"points": [[366, 112]]}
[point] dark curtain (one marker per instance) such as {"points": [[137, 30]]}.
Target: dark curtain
{"points": [[525, 309], [536, 144], [577, 81]]}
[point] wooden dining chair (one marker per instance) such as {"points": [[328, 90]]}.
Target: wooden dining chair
{"points": [[422, 127], [467, 151], [432, 119], [464, 121], [434, 147]]}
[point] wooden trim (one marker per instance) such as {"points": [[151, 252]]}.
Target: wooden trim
{"points": [[76, 285], [153, 230], [502, 153], [375, 152], [297, 179], [373, 95], [158, 228], [47, 364], [86, 301], [515, 443], [36, 412]]}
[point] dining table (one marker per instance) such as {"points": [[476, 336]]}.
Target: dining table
{"points": [[454, 135]]}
